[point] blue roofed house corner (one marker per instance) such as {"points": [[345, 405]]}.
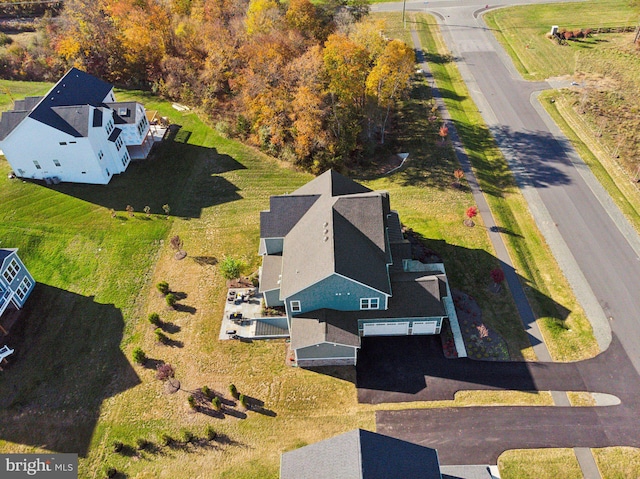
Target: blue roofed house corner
{"points": [[16, 284], [335, 257], [77, 132]]}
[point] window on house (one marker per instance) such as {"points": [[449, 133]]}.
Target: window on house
{"points": [[369, 303], [100, 155], [11, 271], [20, 171], [37, 165], [24, 287], [56, 162], [108, 173], [73, 142], [295, 306], [109, 127], [63, 143], [119, 143]]}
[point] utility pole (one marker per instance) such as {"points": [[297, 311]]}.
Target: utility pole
{"points": [[404, 6]]}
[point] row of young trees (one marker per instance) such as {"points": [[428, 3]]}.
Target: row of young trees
{"points": [[314, 85]]}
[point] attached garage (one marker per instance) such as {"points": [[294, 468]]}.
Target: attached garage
{"points": [[385, 329], [425, 327]]}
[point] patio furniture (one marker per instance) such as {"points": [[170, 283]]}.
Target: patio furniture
{"points": [[4, 352], [235, 316]]}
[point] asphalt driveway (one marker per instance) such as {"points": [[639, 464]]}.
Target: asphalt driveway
{"points": [[398, 369]]}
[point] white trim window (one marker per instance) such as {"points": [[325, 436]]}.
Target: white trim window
{"points": [[24, 288], [12, 270], [295, 306], [369, 303]]}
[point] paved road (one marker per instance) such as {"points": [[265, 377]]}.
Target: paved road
{"points": [[595, 246]]}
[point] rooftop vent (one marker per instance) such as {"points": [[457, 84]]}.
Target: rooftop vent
{"points": [[123, 111]]}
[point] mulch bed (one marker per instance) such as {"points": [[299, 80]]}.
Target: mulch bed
{"points": [[481, 342]]}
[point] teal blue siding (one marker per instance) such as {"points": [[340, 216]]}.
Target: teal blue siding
{"points": [[326, 350], [272, 298], [335, 292]]}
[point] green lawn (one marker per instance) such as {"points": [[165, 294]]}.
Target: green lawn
{"points": [[521, 30]]}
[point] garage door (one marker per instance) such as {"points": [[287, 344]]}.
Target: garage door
{"points": [[385, 329], [424, 327]]}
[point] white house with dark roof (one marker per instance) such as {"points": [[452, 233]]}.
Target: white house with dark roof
{"points": [[16, 284], [335, 257], [76, 133]]}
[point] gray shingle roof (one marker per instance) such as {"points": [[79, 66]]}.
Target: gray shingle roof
{"points": [[4, 253], [129, 112], [271, 269], [76, 88], [76, 117], [285, 211], [324, 326], [331, 183], [11, 119], [361, 454], [324, 242]]}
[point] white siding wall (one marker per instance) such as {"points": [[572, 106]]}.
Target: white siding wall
{"points": [[34, 141]]}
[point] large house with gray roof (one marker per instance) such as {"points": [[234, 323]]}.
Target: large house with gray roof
{"points": [[77, 132], [361, 454], [335, 257]]}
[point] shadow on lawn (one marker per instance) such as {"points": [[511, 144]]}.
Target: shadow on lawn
{"points": [[184, 176], [67, 362]]}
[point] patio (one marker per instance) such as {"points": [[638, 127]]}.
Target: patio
{"points": [[243, 317]]}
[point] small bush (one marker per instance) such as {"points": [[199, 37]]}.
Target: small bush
{"points": [[171, 300], [154, 318], [210, 433], [188, 436], [207, 392], [139, 356], [243, 401], [224, 128], [112, 472], [118, 446], [166, 440], [5, 39], [163, 287], [231, 268], [165, 371], [192, 402], [160, 336], [216, 403], [233, 390]]}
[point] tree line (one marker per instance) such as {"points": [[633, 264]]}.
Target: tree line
{"points": [[315, 85]]}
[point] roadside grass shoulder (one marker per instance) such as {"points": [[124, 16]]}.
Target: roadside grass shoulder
{"points": [[567, 331], [539, 463]]}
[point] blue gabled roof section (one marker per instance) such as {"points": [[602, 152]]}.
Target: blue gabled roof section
{"points": [[75, 88]]}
